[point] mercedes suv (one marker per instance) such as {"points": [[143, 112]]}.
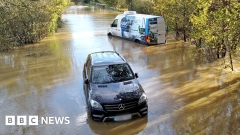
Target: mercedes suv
{"points": [[111, 88]]}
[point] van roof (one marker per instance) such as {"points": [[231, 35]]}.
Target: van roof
{"points": [[130, 12], [144, 15], [139, 15], [106, 58]]}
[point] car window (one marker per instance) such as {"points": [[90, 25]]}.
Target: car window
{"points": [[111, 73], [115, 23]]}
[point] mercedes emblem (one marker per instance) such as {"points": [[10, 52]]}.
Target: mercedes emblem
{"points": [[121, 106]]}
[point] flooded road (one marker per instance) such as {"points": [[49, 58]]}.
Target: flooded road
{"points": [[186, 94]]}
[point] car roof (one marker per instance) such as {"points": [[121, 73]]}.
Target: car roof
{"points": [[106, 58]]}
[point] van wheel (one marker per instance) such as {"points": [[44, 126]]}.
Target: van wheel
{"points": [[137, 41], [109, 34]]}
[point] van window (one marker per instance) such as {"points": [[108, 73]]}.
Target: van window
{"points": [[115, 23]]}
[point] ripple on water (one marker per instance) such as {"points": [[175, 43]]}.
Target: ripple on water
{"points": [[81, 119]]}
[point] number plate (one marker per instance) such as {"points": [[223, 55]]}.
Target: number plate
{"points": [[122, 117]]}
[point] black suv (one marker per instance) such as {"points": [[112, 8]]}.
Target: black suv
{"points": [[112, 90]]}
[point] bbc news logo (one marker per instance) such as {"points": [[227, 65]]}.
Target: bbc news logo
{"points": [[34, 120]]}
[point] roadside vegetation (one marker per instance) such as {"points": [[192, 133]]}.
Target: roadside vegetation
{"points": [[212, 25], [28, 21]]}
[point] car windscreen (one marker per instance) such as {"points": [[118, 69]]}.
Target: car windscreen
{"points": [[111, 73]]}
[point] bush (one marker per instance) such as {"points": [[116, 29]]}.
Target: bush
{"points": [[143, 6], [25, 22]]}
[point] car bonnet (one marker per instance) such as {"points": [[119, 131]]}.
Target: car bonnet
{"points": [[116, 92]]}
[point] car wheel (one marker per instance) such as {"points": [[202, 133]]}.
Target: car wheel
{"points": [[137, 41]]}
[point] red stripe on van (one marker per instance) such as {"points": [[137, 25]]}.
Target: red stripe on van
{"points": [[146, 38]]}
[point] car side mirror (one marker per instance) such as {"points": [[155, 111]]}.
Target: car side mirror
{"points": [[136, 75], [86, 81]]}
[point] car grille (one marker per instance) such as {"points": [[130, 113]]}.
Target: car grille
{"points": [[117, 107]]}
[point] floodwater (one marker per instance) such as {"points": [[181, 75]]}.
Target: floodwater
{"points": [[186, 94]]}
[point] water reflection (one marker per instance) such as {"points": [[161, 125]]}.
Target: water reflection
{"points": [[120, 128], [186, 94], [194, 95]]}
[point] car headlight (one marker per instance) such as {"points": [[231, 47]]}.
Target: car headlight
{"points": [[95, 105], [142, 98]]}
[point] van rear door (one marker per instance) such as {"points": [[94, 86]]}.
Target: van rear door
{"points": [[161, 31]]}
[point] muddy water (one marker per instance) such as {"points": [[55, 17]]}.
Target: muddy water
{"points": [[186, 94]]}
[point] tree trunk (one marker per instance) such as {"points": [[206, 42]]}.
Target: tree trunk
{"points": [[184, 35], [230, 57]]}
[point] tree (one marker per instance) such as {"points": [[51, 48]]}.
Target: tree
{"points": [[177, 15], [24, 22], [216, 23]]}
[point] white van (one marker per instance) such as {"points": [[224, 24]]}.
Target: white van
{"points": [[141, 28]]}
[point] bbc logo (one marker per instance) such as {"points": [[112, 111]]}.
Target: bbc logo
{"points": [[35, 120], [21, 120]]}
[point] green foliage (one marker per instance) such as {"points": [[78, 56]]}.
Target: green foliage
{"points": [[115, 3], [177, 15], [217, 24], [143, 6], [112, 3], [24, 22], [211, 24]]}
